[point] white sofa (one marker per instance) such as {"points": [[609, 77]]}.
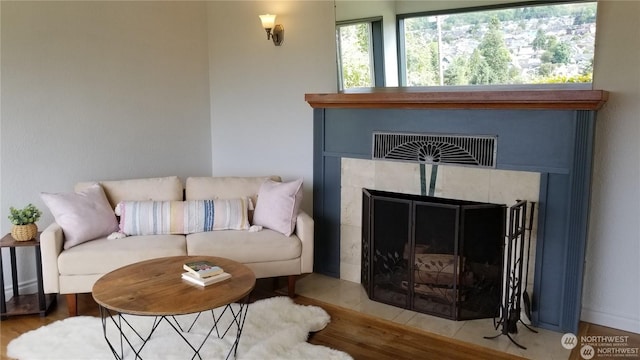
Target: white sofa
{"points": [[268, 253]]}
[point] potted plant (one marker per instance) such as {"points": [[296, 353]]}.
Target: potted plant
{"points": [[23, 220]]}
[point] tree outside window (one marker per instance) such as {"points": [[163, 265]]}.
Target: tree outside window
{"points": [[355, 57], [518, 45]]}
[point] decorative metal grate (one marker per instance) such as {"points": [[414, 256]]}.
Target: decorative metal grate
{"points": [[468, 150]]}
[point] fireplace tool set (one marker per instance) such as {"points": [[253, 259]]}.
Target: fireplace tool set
{"points": [[512, 295]]}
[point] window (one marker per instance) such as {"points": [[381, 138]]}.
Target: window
{"points": [[537, 44], [360, 59]]}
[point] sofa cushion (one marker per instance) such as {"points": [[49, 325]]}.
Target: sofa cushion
{"points": [[158, 189], [83, 216], [182, 217], [278, 205], [203, 188], [245, 246], [103, 255]]}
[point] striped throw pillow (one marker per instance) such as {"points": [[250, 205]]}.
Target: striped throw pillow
{"points": [[182, 217]]}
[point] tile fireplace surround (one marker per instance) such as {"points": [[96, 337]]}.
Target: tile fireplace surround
{"points": [[546, 131]]}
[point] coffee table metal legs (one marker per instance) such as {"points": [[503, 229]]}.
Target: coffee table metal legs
{"points": [[131, 341]]}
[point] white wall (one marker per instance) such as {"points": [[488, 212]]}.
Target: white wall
{"points": [[611, 294], [412, 6], [99, 90], [260, 123]]}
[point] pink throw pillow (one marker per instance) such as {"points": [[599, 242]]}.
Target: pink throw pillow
{"points": [[83, 216], [278, 205]]}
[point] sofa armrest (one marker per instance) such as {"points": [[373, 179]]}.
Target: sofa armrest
{"points": [[304, 231], [51, 240]]}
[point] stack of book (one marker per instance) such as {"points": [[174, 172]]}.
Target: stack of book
{"points": [[204, 273]]}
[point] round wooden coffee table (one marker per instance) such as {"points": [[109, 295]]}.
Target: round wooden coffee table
{"points": [[155, 288]]}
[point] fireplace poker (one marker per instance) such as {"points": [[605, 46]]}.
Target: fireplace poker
{"points": [[525, 295]]}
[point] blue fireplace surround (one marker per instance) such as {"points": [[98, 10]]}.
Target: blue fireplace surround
{"points": [[546, 131]]}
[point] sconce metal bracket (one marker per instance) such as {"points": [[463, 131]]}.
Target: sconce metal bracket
{"points": [[277, 35]]}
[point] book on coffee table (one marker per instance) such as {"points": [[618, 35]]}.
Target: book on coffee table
{"points": [[205, 281], [203, 269]]}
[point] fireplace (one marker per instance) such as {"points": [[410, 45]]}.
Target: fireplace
{"points": [[549, 132], [433, 255]]}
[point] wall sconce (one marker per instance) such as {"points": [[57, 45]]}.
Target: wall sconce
{"points": [[275, 32]]}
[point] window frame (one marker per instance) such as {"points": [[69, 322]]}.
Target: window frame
{"points": [[376, 50], [401, 51]]}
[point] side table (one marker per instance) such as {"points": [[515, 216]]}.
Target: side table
{"points": [[38, 303]]}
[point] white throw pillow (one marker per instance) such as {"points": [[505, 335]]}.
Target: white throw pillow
{"points": [[277, 206], [83, 216]]}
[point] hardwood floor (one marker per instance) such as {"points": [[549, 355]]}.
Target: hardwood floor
{"points": [[361, 335], [366, 337]]}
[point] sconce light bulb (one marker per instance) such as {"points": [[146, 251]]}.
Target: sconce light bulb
{"points": [[268, 21]]}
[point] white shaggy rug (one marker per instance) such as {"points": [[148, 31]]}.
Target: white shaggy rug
{"points": [[275, 328]]}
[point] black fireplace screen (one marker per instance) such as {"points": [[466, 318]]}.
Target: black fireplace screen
{"points": [[433, 255]]}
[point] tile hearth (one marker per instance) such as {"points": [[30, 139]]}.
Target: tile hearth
{"points": [[544, 345]]}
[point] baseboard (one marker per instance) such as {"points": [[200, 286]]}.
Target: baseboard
{"points": [[25, 287], [611, 320]]}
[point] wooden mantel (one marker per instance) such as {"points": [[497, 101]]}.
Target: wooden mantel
{"points": [[422, 98]]}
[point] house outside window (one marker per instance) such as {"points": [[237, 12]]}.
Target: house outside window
{"points": [[538, 44]]}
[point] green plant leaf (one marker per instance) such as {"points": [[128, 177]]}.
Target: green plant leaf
{"points": [[28, 215]]}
